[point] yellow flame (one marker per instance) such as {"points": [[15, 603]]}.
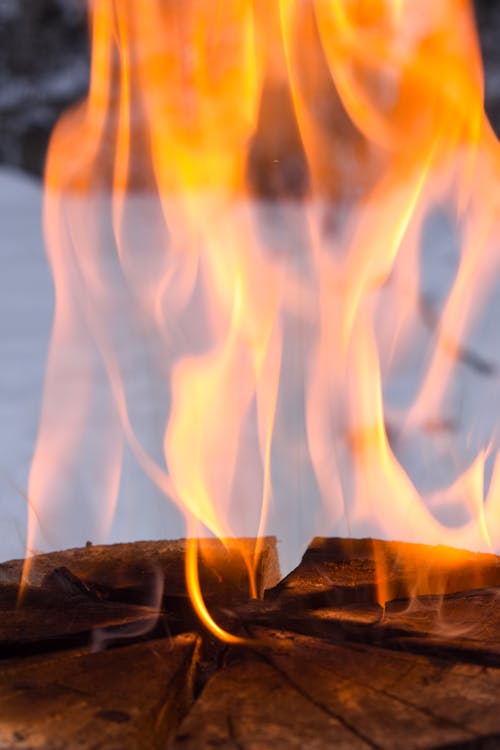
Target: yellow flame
{"points": [[155, 218], [195, 592]]}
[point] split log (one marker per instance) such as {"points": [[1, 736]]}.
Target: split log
{"points": [[134, 570], [460, 627], [463, 627], [333, 595], [333, 668], [52, 621], [348, 571], [249, 704], [296, 691], [327, 665], [133, 697], [136, 589]]}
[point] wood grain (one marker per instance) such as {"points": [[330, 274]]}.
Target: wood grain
{"points": [[339, 654], [131, 697]]}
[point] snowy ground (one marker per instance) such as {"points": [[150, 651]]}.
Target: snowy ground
{"points": [[25, 319], [26, 300], [26, 304]]}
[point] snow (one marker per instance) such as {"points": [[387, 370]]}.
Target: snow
{"points": [[25, 320]]}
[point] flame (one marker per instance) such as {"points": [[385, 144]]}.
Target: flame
{"points": [[239, 210]]}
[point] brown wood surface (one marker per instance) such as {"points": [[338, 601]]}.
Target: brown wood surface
{"points": [[328, 665], [332, 667], [138, 569], [459, 627], [131, 697], [301, 692], [250, 704], [51, 620], [346, 571], [120, 589]]}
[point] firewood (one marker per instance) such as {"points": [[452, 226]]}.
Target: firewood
{"points": [[332, 667], [461, 627], [391, 699], [132, 697], [120, 589], [337, 572], [134, 571], [249, 704], [299, 692], [47, 620], [366, 644], [332, 595]]}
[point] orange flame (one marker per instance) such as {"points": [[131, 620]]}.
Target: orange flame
{"points": [[355, 121]]}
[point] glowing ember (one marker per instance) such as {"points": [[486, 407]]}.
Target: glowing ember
{"points": [[270, 334]]}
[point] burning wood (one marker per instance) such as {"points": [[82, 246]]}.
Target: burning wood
{"points": [[132, 571], [354, 571], [264, 346], [123, 590], [332, 668], [238, 216]]}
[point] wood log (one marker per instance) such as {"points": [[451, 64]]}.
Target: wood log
{"points": [[134, 570], [300, 692], [332, 667], [332, 595], [52, 621], [327, 664], [459, 627], [133, 697], [337, 572], [250, 704], [136, 588]]}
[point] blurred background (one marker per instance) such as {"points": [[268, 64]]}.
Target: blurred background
{"points": [[44, 63]]}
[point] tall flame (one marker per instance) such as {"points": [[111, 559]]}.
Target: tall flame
{"points": [[240, 212]]}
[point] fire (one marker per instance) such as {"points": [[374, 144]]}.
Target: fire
{"points": [[239, 211]]}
